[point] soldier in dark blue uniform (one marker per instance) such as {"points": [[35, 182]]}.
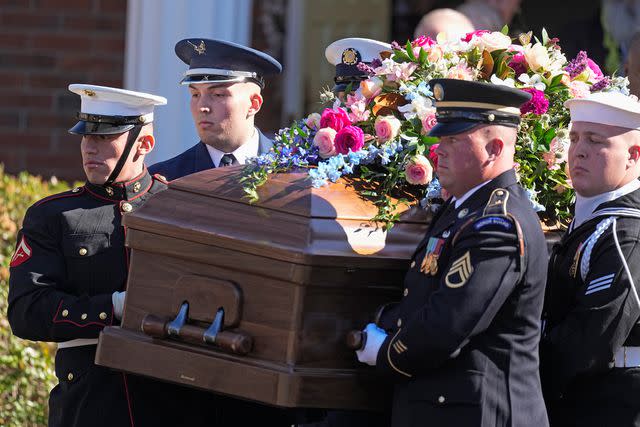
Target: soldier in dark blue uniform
{"points": [[225, 82], [590, 350], [462, 345], [69, 271]]}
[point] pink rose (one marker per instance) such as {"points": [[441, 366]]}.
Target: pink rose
{"points": [[596, 72], [387, 127], [312, 121], [433, 155], [423, 41], [371, 87], [324, 140], [418, 170], [579, 89], [435, 53], [519, 64], [467, 38], [494, 41], [429, 122], [334, 118], [349, 138]]}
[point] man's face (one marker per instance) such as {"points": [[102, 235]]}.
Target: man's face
{"points": [[599, 157], [100, 153], [220, 111], [461, 159]]}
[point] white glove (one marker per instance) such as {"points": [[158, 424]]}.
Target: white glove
{"points": [[375, 338], [117, 299]]}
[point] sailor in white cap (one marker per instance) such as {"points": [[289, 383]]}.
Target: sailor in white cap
{"points": [[69, 270], [225, 81], [347, 53], [590, 349]]}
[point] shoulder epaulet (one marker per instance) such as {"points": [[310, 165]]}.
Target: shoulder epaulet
{"points": [[160, 178], [497, 204], [70, 193], [495, 215]]}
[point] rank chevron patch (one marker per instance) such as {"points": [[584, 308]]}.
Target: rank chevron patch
{"points": [[459, 272]]}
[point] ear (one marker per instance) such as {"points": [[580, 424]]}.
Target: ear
{"points": [[147, 142], [255, 105], [634, 154], [494, 149]]}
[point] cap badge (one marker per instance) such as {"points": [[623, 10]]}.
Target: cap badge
{"points": [[350, 56], [438, 92], [200, 49], [89, 92], [136, 187]]}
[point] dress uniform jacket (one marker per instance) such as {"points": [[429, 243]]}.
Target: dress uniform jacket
{"points": [[591, 311], [463, 348], [70, 258], [196, 159]]}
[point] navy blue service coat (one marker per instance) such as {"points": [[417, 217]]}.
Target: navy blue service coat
{"points": [[196, 159], [590, 313], [463, 342]]}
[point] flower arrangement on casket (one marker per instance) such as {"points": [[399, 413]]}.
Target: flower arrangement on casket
{"points": [[377, 133]]}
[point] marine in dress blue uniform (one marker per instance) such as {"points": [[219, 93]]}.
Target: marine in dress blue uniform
{"points": [[462, 344], [69, 270], [221, 64], [590, 350]]}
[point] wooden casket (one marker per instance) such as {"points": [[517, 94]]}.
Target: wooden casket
{"points": [[255, 301]]}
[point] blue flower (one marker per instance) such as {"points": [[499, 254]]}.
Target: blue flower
{"points": [[531, 194]]}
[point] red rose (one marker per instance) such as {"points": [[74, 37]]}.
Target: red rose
{"points": [[349, 138], [334, 119]]}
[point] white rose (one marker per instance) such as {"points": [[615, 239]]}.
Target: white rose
{"points": [[537, 57], [494, 41]]}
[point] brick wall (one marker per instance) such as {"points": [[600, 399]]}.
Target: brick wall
{"points": [[44, 46]]}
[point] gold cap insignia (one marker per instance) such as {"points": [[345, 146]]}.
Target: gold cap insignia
{"points": [[200, 49], [438, 92], [89, 92], [459, 272], [350, 56], [136, 187], [109, 191]]}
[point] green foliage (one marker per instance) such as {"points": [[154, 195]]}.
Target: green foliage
{"points": [[26, 367]]}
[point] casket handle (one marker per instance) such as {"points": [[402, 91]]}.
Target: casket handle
{"points": [[235, 342]]}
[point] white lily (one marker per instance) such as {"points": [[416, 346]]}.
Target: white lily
{"points": [[534, 81], [506, 82]]}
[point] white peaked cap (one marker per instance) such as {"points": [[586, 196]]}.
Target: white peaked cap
{"points": [[607, 108], [109, 101], [369, 49]]}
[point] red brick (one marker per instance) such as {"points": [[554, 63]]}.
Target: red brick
{"points": [[52, 81], [28, 20], [80, 42], [116, 6], [48, 164], [12, 159], [48, 121], [9, 119], [113, 44], [75, 5], [107, 24], [89, 63], [20, 99], [31, 140], [13, 40], [25, 60], [18, 4], [12, 79]]}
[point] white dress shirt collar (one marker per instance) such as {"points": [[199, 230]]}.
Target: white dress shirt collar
{"points": [[242, 153], [468, 194]]}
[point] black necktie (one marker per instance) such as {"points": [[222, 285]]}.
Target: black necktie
{"points": [[227, 160]]}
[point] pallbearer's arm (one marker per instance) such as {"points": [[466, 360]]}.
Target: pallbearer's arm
{"points": [[39, 308]]}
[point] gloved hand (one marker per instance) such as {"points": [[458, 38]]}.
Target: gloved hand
{"points": [[375, 338], [117, 298]]}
